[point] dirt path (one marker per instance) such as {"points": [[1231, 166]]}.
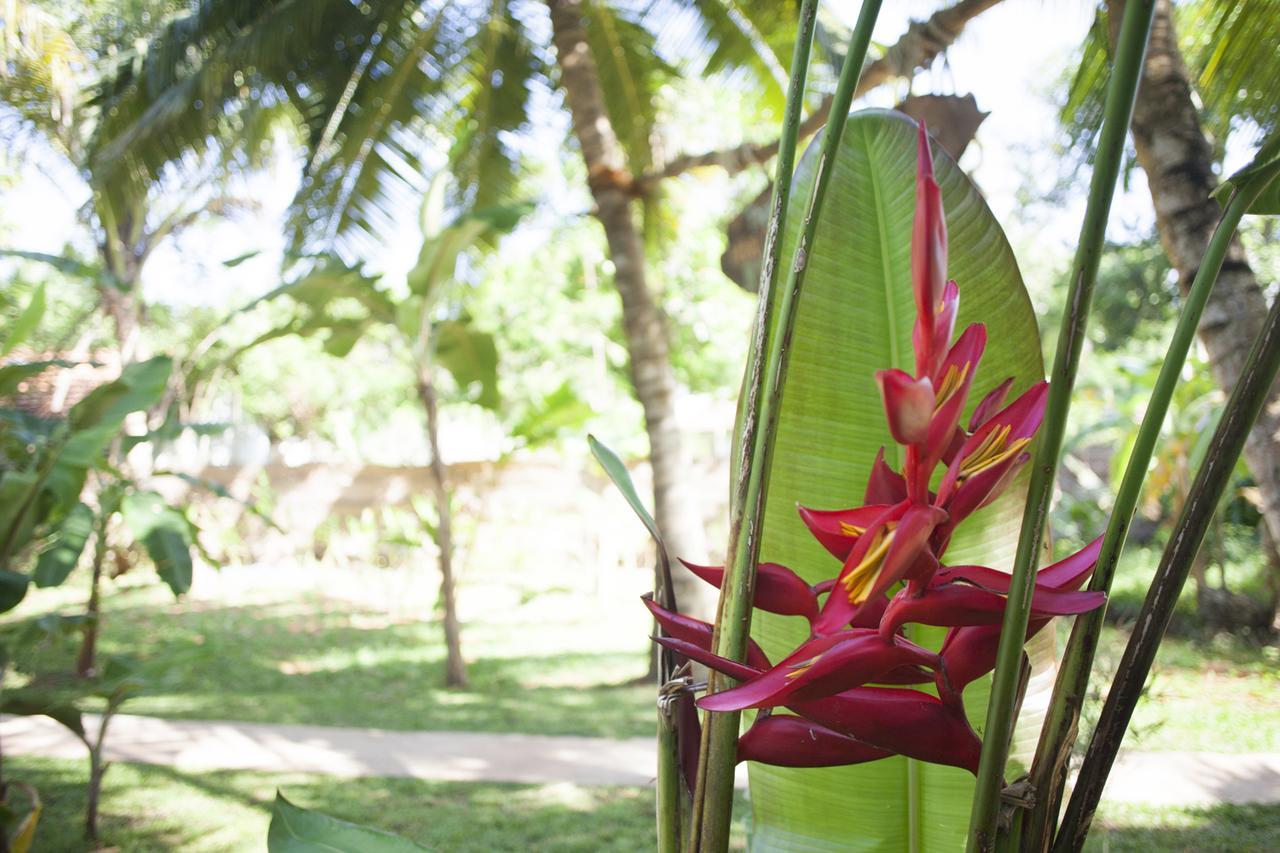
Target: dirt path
{"points": [[1155, 778]]}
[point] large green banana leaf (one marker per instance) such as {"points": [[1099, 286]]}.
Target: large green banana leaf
{"points": [[855, 317]]}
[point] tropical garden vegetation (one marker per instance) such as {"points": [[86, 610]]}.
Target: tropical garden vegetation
{"points": [[564, 174]]}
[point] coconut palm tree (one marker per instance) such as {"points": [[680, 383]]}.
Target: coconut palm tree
{"points": [[1221, 70], [53, 96], [385, 92]]}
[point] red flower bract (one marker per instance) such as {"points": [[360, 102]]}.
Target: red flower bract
{"points": [[833, 683]]}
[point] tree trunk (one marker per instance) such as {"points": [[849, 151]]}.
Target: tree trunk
{"points": [[644, 323], [86, 661], [1178, 161], [455, 669]]}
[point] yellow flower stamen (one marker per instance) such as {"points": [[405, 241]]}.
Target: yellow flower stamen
{"points": [[991, 451], [859, 581], [951, 382], [851, 529], [802, 667]]}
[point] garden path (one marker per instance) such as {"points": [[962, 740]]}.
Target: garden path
{"points": [[1153, 778]]}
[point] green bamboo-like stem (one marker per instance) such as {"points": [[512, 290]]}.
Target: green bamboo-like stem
{"points": [[1118, 110], [1049, 770], [669, 786], [713, 795], [1224, 450], [712, 807]]}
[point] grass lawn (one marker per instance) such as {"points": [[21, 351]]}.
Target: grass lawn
{"points": [[1220, 829], [1221, 695], [158, 809], [549, 665], [326, 662]]}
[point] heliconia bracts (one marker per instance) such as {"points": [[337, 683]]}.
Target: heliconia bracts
{"points": [[858, 689]]}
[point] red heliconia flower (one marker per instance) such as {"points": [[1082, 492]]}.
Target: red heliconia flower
{"points": [[784, 740], [836, 681], [958, 601], [928, 261], [905, 722], [778, 589], [969, 653], [697, 632], [909, 722], [821, 667], [883, 556], [838, 530]]}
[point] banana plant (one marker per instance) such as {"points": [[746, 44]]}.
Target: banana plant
{"points": [[47, 519], [433, 332]]}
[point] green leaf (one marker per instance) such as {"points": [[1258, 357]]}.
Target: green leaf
{"points": [[26, 322], [92, 273], [471, 357], [12, 375], [59, 558], [343, 337], [97, 418], [298, 830], [13, 588], [559, 412], [441, 247], [140, 386], [16, 519], [1261, 168], [164, 533], [38, 702], [855, 317], [617, 471]]}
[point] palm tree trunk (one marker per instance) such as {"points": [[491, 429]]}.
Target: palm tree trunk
{"points": [[1178, 161], [455, 669], [643, 321]]}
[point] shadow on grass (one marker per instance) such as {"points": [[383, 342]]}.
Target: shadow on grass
{"points": [[161, 809], [286, 663], [1210, 829]]}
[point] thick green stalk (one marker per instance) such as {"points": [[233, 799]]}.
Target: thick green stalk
{"points": [[669, 784], [1049, 771], [1224, 450], [1118, 110], [775, 321], [712, 807]]}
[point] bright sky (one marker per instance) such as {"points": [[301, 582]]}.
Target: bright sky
{"points": [[1009, 57]]}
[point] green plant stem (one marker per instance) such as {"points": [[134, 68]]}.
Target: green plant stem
{"points": [[1206, 491], [711, 810], [1049, 770], [713, 796], [669, 785], [1118, 110]]}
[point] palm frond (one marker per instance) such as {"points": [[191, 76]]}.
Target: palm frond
{"points": [[371, 147], [40, 64], [496, 81], [1081, 111], [1231, 51], [210, 77], [631, 72]]}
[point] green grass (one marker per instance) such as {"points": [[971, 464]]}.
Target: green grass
{"points": [[1219, 829], [328, 663], [158, 809], [1221, 695], [551, 665]]}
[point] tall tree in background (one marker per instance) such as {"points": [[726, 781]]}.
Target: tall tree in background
{"points": [[388, 91], [1235, 71], [52, 94]]}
